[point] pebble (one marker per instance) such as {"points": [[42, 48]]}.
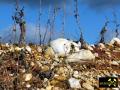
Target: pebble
{"points": [[28, 85], [114, 63], [18, 49], [74, 83], [49, 52], [39, 49], [87, 86], [27, 76], [101, 46], [76, 74], [28, 48]]}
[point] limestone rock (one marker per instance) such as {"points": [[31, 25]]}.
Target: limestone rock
{"points": [[60, 46], [74, 83], [82, 55], [27, 76], [114, 63], [28, 48]]}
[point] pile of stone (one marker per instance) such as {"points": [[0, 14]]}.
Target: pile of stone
{"points": [[63, 65]]}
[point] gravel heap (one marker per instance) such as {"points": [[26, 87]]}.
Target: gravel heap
{"points": [[34, 67]]}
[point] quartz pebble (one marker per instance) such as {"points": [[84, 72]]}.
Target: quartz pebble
{"points": [[27, 76], [74, 83]]}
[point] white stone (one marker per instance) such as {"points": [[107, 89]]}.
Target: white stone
{"points": [[27, 76], [82, 55], [76, 74], [87, 86], [62, 46], [28, 48], [77, 46], [96, 54], [39, 49], [28, 85], [101, 46], [74, 83], [114, 63], [115, 40], [7, 45]]}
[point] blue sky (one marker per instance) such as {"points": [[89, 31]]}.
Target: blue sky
{"points": [[92, 18]]}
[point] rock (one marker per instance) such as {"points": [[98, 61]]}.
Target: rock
{"points": [[60, 78], [96, 54], [39, 49], [28, 85], [108, 54], [115, 41], [76, 46], [49, 52], [82, 55], [74, 83], [11, 49], [87, 86], [114, 63], [27, 77], [28, 48], [76, 74], [101, 46], [90, 48], [62, 47], [49, 87], [18, 49], [115, 89], [1, 51], [7, 45]]}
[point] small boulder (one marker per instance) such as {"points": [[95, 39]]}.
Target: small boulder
{"points": [[82, 55], [60, 46]]}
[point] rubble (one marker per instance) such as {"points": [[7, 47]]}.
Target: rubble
{"points": [[41, 68]]}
